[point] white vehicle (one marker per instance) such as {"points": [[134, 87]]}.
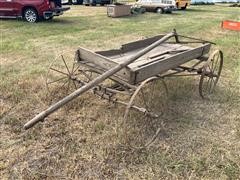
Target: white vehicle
{"points": [[72, 1], [159, 6]]}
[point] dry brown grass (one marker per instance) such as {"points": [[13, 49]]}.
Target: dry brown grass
{"points": [[199, 139]]}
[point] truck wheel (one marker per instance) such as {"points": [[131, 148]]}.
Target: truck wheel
{"points": [[30, 15], [159, 11]]}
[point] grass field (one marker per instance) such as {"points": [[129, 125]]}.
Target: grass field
{"points": [[200, 139]]}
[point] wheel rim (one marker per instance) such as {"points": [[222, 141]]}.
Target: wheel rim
{"points": [[211, 72], [159, 10], [30, 16], [139, 128], [63, 76]]}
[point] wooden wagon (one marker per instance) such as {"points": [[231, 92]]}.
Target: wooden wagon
{"points": [[133, 71]]}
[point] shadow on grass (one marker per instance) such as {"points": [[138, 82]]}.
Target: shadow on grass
{"points": [[57, 21], [147, 13], [196, 10], [53, 21]]}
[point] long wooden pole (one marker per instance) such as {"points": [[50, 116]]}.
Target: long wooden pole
{"points": [[41, 116]]}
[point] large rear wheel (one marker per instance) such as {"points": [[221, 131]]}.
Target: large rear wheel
{"points": [[142, 119]]}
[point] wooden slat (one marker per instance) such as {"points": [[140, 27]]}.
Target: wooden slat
{"points": [[161, 66], [125, 48], [162, 49], [140, 43], [113, 52], [103, 62], [99, 70]]}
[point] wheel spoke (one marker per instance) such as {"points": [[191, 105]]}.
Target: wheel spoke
{"points": [[144, 100], [152, 92], [208, 81], [215, 81], [53, 91], [216, 65], [212, 64], [211, 86], [75, 85], [209, 67], [73, 68], [59, 71], [65, 64], [63, 85], [57, 80], [77, 67]]}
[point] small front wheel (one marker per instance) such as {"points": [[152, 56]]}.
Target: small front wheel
{"points": [[30, 15], [210, 75], [63, 76]]}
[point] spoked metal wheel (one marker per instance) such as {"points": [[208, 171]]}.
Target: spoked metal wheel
{"points": [[143, 113], [211, 72], [63, 76]]}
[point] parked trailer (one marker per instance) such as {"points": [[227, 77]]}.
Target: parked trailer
{"points": [[133, 71]]}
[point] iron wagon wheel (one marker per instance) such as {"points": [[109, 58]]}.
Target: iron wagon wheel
{"points": [[63, 76], [142, 118], [211, 72]]}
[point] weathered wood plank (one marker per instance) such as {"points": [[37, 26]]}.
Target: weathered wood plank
{"points": [[103, 62], [140, 44], [132, 46], [163, 51], [171, 62]]}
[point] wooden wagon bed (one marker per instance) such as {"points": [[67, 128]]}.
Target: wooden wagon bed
{"points": [[164, 57]]}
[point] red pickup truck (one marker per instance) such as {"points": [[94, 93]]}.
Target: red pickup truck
{"points": [[31, 10]]}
